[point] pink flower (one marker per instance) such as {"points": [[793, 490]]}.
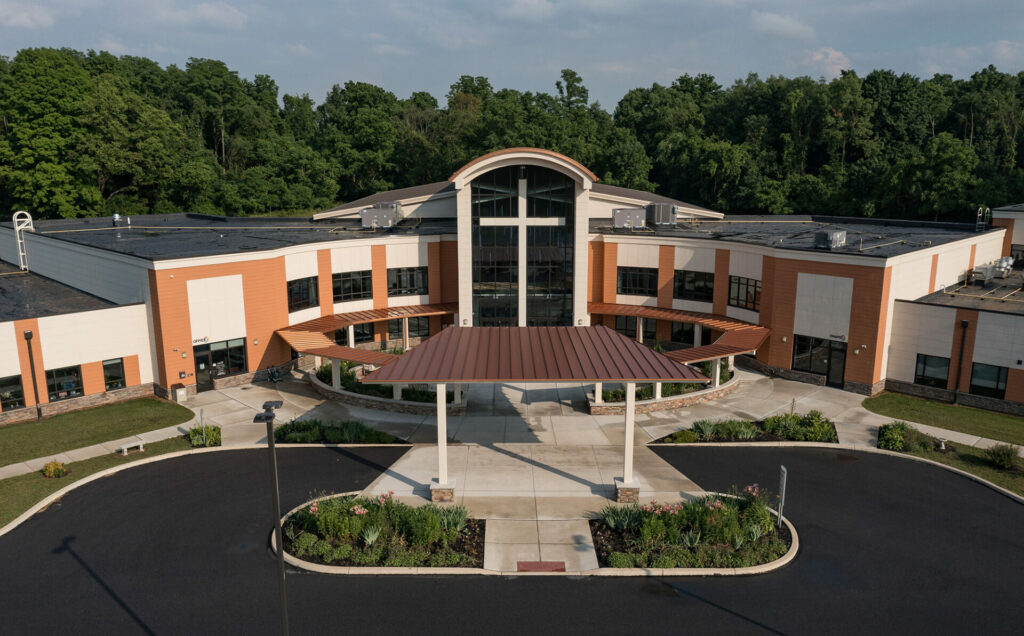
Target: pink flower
{"points": [[357, 509], [314, 508]]}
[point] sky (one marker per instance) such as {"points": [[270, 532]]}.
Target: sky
{"points": [[307, 46]]}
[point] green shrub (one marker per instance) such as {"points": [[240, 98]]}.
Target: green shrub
{"points": [[314, 431], [445, 559], [342, 551], [54, 470], [705, 429], [682, 437], [620, 560], [322, 550], [663, 561], [399, 557], [196, 437], [1003, 456], [303, 543], [622, 517], [452, 517], [369, 556], [812, 427], [893, 436], [425, 527]]}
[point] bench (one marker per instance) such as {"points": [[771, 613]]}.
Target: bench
{"points": [[126, 447]]}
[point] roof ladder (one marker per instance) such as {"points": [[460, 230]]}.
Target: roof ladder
{"points": [[22, 222]]}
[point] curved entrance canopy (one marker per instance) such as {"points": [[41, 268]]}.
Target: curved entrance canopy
{"points": [[517, 156]]}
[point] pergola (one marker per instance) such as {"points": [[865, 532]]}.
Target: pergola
{"points": [[532, 355]]}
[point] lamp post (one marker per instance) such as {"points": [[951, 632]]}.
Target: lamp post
{"points": [[32, 370], [267, 416]]}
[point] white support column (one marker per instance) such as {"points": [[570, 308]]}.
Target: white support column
{"points": [[405, 333], [696, 334], [627, 464], [352, 335], [732, 364], [336, 374], [457, 393], [639, 329], [396, 391], [716, 372], [657, 390], [598, 391], [442, 436], [317, 361], [521, 284]]}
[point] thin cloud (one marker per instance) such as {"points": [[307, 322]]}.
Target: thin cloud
{"points": [[827, 60], [781, 26], [25, 15], [211, 15], [529, 10]]}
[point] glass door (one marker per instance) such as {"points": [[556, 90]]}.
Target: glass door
{"points": [[836, 364], [204, 364]]}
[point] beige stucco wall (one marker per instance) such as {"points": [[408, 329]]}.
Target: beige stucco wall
{"points": [[216, 308], [823, 306], [918, 328], [10, 364], [90, 336]]}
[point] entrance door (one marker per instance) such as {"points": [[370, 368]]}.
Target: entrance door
{"points": [[204, 368], [836, 364]]}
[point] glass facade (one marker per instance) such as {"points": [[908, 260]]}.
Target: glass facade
{"points": [[352, 285], [113, 374], [931, 371], [64, 383], [546, 226], [11, 394], [303, 294], [988, 380]]}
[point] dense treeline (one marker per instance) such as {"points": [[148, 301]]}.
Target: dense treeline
{"points": [[90, 133]]}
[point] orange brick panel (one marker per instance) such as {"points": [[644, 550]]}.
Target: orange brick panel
{"points": [[92, 378], [1015, 385], [1008, 236], [971, 317], [379, 266], [666, 274], [934, 273], [434, 272], [974, 252], [721, 297], [20, 327], [449, 253], [325, 282], [132, 376], [610, 264]]}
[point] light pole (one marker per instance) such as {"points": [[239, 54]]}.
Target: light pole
{"points": [[268, 416], [32, 370]]}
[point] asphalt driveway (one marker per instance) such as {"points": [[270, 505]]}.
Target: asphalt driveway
{"points": [[888, 546]]}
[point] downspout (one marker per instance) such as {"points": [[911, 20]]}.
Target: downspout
{"points": [[960, 360], [32, 370]]}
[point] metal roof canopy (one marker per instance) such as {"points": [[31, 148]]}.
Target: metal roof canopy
{"points": [[340, 321], [318, 344], [532, 354]]}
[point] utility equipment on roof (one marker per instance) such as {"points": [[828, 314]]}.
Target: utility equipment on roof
{"points": [[661, 213], [829, 239], [629, 217], [382, 214]]}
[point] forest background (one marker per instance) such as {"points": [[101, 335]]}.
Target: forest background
{"points": [[87, 134]]}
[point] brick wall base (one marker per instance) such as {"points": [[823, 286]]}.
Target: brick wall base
{"points": [[930, 392], [864, 389], [381, 404], [78, 403], [627, 494], [966, 399], [753, 364], [441, 495], [674, 402]]}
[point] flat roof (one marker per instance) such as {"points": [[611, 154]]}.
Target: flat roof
{"points": [[158, 237], [28, 295], [1001, 295], [879, 238], [532, 354]]}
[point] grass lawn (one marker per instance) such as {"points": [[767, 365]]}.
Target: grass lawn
{"points": [[28, 440], [972, 460], [1005, 428], [18, 494]]}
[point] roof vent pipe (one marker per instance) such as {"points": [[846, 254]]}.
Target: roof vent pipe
{"points": [[115, 220], [22, 221]]}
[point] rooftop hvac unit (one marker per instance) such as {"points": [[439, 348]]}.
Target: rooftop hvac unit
{"points": [[829, 239], [629, 217], [661, 214], [384, 214]]}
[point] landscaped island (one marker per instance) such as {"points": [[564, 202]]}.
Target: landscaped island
{"points": [[348, 531], [710, 532], [314, 431], [811, 427]]}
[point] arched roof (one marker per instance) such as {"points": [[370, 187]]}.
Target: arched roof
{"points": [[508, 156]]}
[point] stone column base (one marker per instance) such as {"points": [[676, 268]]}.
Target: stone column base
{"points": [[626, 493], [442, 493]]}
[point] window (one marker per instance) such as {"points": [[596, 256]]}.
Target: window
{"points": [[113, 374], [363, 332], [223, 358], [11, 394], [745, 293], [988, 380], [407, 281], [352, 286], [302, 294], [638, 281], [810, 354], [64, 383], [682, 333], [931, 371], [626, 325], [419, 327], [699, 286]]}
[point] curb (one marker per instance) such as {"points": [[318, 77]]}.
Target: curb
{"points": [[320, 568], [859, 449], [49, 499]]}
